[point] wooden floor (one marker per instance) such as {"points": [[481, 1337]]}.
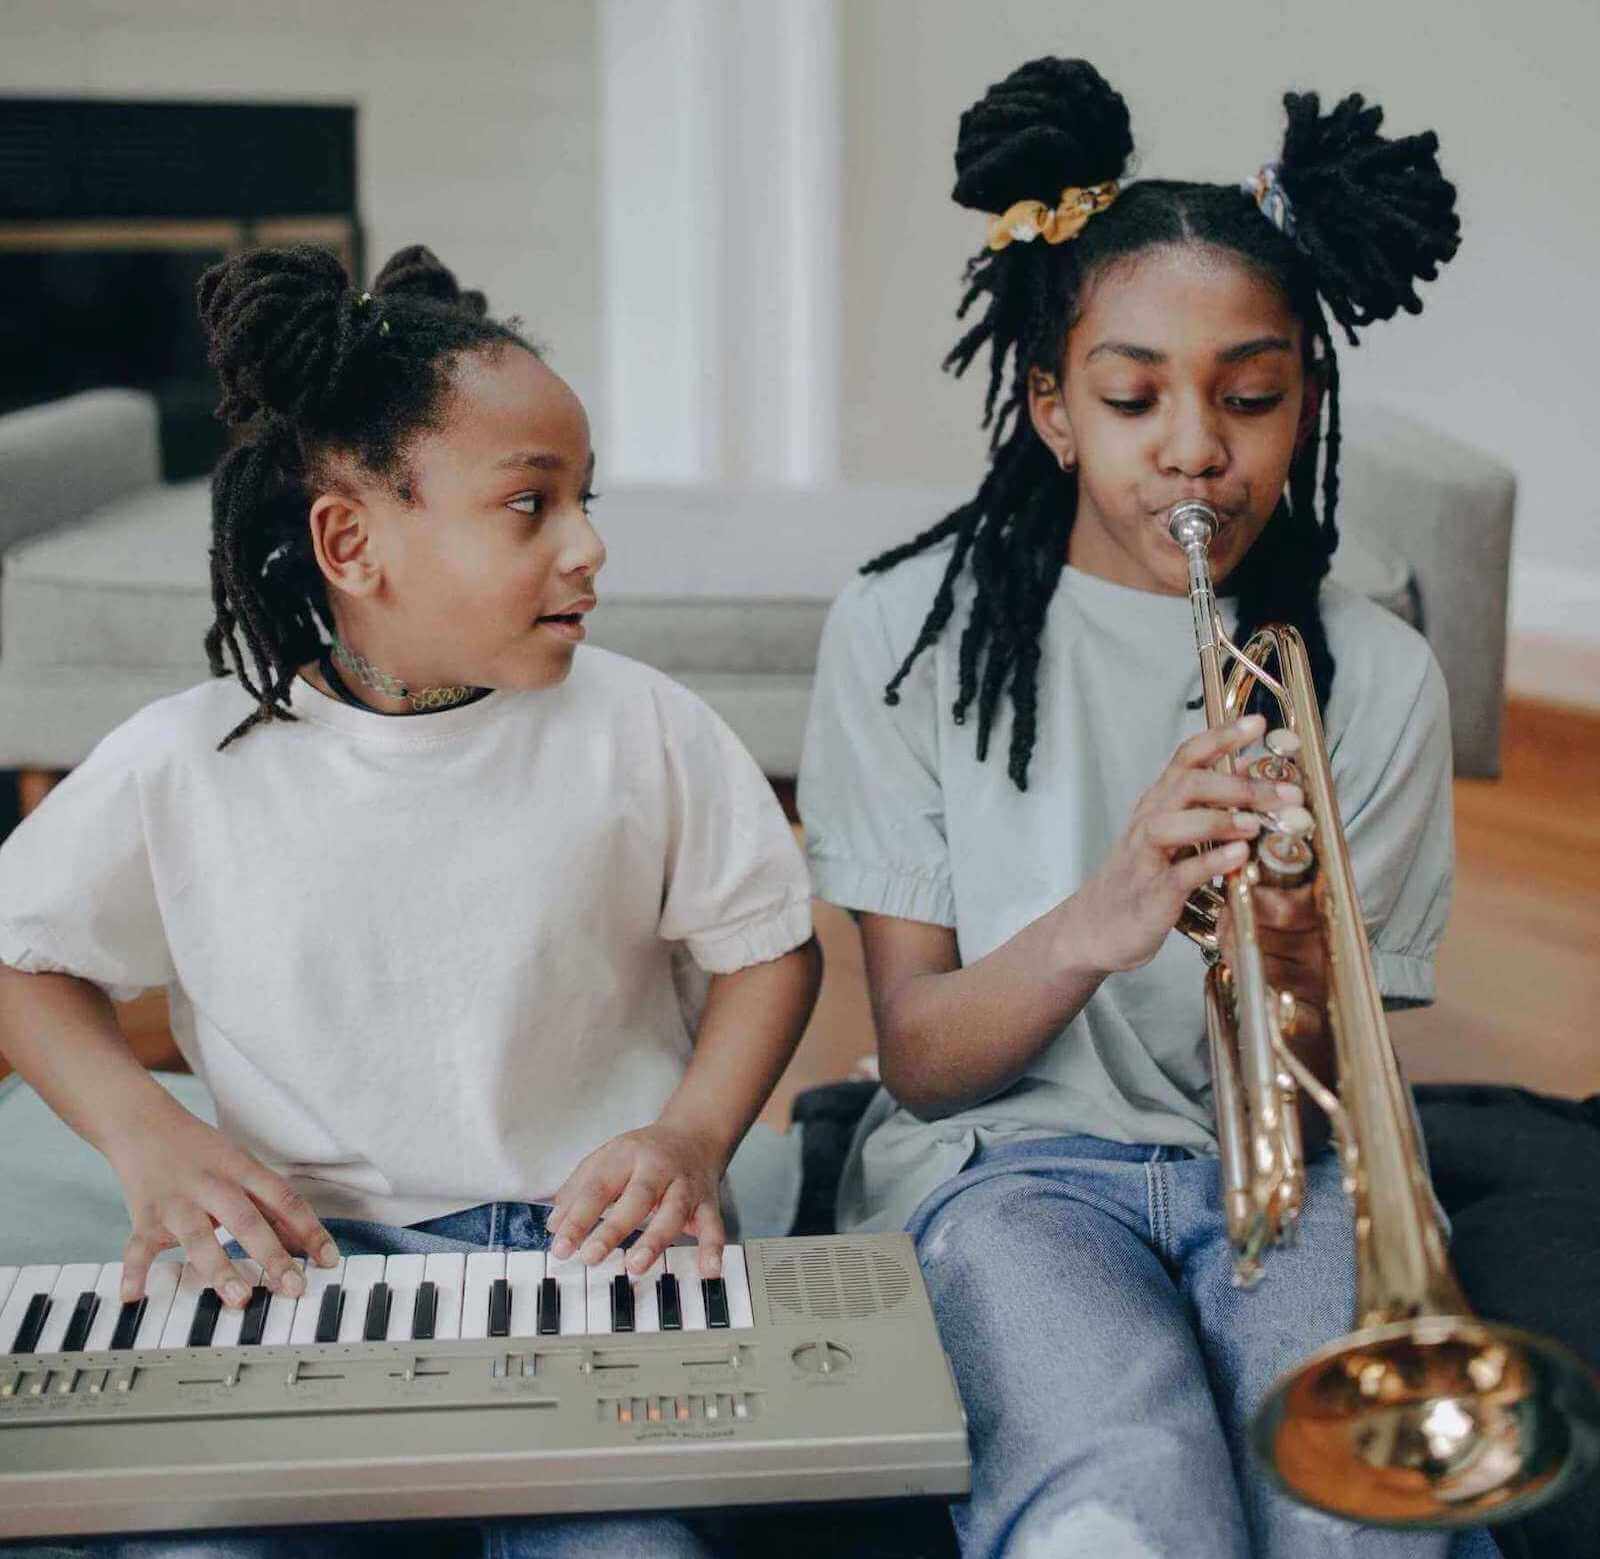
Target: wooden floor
{"points": [[1519, 972]]}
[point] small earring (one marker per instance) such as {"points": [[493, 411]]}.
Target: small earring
{"points": [[1065, 464]]}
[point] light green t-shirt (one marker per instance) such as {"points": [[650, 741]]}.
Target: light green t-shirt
{"points": [[902, 819]]}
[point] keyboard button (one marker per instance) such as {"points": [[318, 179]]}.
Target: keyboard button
{"points": [[330, 1311], [573, 1278], [524, 1276], [175, 1334], [484, 1269], [549, 1308], [32, 1283], [667, 1302], [254, 1322], [8, 1280], [160, 1289], [281, 1310], [308, 1309], [646, 1299], [425, 1313], [128, 1322], [447, 1273], [230, 1322], [500, 1308], [74, 1279], [82, 1322], [736, 1279], [597, 1294], [360, 1273], [33, 1319], [402, 1275], [621, 1303], [716, 1296], [204, 1324], [683, 1262], [108, 1290], [375, 1328]]}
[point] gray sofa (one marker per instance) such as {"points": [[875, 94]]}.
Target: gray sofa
{"points": [[105, 597]]}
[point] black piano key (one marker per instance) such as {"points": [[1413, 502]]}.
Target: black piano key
{"points": [[129, 1319], [425, 1313], [671, 1306], [549, 1322], [32, 1324], [204, 1325], [83, 1314], [376, 1326], [329, 1313], [621, 1304], [499, 1308], [254, 1324], [716, 1301]]}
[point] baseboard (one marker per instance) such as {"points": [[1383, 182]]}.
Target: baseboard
{"points": [[1552, 602], [1554, 669]]}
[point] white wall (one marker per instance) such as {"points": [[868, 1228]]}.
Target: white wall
{"points": [[1504, 354], [477, 126]]}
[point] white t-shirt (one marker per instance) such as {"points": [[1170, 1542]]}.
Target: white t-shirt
{"points": [[902, 819], [421, 962]]}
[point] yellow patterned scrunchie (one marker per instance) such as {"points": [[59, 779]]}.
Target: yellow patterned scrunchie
{"points": [[1031, 219]]}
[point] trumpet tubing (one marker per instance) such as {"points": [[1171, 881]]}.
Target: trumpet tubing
{"points": [[1422, 1415]]}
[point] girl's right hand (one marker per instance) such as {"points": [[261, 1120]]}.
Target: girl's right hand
{"points": [[1127, 908], [184, 1179]]}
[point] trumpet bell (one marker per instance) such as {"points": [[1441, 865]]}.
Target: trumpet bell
{"points": [[1442, 1421]]}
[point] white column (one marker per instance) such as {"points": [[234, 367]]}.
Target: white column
{"points": [[720, 291]]}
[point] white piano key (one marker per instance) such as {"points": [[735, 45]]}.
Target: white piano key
{"points": [[160, 1288], [736, 1279], [8, 1278], [646, 1301], [447, 1271], [175, 1334], [483, 1267], [572, 1278], [402, 1274], [683, 1262], [37, 1279], [304, 1327], [229, 1320], [109, 1287], [360, 1273], [525, 1272], [598, 1292], [279, 1320], [72, 1280]]}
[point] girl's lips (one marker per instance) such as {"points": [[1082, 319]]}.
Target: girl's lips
{"points": [[569, 628]]}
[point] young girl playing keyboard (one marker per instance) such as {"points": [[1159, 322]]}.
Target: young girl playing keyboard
{"points": [[1017, 829], [419, 876]]}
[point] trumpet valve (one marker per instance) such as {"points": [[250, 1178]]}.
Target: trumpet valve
{"points": [[1284, 859]]}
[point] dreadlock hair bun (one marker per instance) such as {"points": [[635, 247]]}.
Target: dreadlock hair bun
{"points": [[416, 271], [1050, 124], [1373, 215]]}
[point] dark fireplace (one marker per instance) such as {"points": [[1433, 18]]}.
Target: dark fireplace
{"points": [[109, 212]]}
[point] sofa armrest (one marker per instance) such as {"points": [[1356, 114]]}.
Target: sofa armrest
{"points": [[64, 459], [1447, 508]]}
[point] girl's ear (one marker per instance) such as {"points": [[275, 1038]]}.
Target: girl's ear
{"points": [[1310, 403], [1047, 411], [341, 538]]}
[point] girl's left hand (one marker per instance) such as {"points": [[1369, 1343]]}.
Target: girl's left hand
{"points": [[659, 1179]]}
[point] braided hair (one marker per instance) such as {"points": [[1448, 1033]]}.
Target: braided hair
{"points": [[313, 373], [1371, 217]]}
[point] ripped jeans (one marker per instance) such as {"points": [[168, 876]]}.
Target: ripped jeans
{"points": [[1109, 1367], [493, 1225]]}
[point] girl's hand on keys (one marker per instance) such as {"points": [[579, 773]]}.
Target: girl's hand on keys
{"points": [[1134, 900], [658, 1179], [182, 1180]]}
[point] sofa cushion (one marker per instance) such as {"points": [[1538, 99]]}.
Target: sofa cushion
{"points": [[724, 588]]}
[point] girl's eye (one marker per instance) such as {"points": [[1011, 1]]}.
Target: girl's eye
{"points": [[1130, 408], [586, 499], [1255, 405], [526, 503]]}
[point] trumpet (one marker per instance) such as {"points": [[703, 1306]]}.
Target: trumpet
{"points": [[1423, 1414]]}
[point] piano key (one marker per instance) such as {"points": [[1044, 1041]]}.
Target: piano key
{"points": [[683, 1262], [129, 1321], [736, 1279], [375, 1324], [204, 1325], [549, 1318], [108, 1290], [308, 1309], [671, 1308], [76, 1278], [360, 1273], [402, 1274], [281, 1310], [500, 1308], [330, 1311], [483, 1267], [253, 1323], [621, 1303], [572, 1278], [646, 1301], [524, 1274], [31, 1281], [716, 1297], [175, 1334], [8, 1278], [230, 1321], [83, 1318], [425, 1312], [33, 1319], [597, 1293], [160, 1289], [447, 1272]]}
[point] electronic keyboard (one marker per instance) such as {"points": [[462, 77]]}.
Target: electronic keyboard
{"points": [[471, 1385]]}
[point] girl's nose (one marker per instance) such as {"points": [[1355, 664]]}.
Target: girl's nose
{"points": [[585, 552], [1192, 444]]}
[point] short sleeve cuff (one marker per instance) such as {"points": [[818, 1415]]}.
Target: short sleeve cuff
{"points": [[18, 954], [877, 891], [1404, 981], [755, 941]]}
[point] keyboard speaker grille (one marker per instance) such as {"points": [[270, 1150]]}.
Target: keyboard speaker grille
{"points": [[824, 1281]]}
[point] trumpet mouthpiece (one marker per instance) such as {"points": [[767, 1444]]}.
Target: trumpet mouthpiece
{"points": [[1192, 523]]}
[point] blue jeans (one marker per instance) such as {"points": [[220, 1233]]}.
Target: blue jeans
{"points": [[494, 1225], [1109, 1367]]}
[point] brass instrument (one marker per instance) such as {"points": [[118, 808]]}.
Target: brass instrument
{"points": [[1423, 1415]]}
